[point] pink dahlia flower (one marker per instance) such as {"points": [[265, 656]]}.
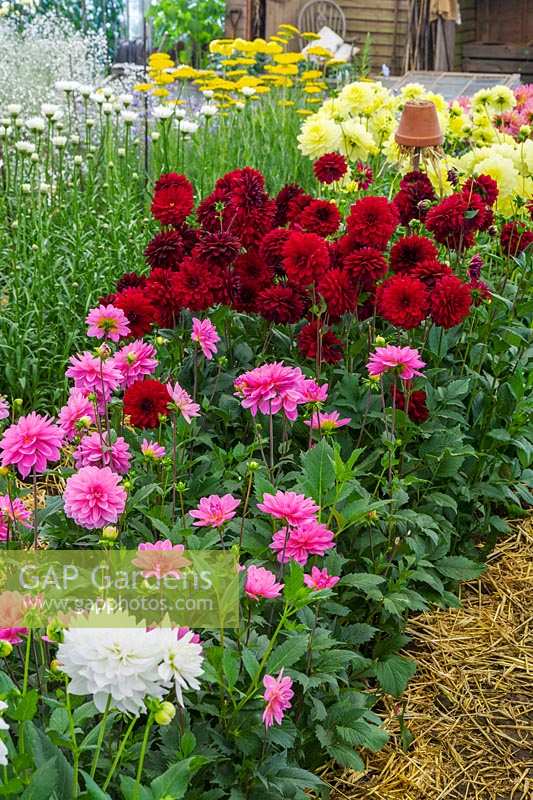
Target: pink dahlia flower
{"points": [[107, 322], [152, 450], [311, 392], [270, 388], [4, 407], [260, 582], [278, 695], [94, 375], [134, 361], [205, 333], [77, 414], [215, 510], [310, 538], [94, 450], [320, 579], [290, 506], [161, 559], [327, 421], [406, 359], [181, 401], [94, 498], [12, 510], [12, 635], [31, 443]]}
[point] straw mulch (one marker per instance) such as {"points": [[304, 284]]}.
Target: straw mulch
{"points": [[470, 705]]}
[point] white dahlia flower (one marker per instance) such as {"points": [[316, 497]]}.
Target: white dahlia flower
{"points": [[180, 660]]}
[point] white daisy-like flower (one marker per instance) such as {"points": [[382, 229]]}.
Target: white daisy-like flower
{"points": [[128, 117], [25, 147], [248, 91], [117, 663], [85, 90], [179, 113], [59, 141], [125, 99], [163, 112], [107, 108], [209, 93], [50, 110], [14, 109], [66, 86], [98, 98], [208, 110], [189, 127], [155, 136], [3, 727], [36, 124], [180, 660]]}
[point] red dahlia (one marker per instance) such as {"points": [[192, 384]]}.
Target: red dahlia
{"points": [[479, 291], [321, 217], [314, 336], [305, 258], [485, 186], [217, 249], [515, 238], [195, 286], [409, 251], [271, 247], [339, 293], [250, 268], [365, 267], [130, 279], [283, 198], [211, 211], [455, 219], [282, 304], [415, 195], [144, 402], [416, 409], [403, 301], [172, 204], [330, 167], [139, 310], [430, 271], [450, 301], [296, 206], [372, 221], [247, 189], [168, 180], [160, 293], [165, 250], [106, 299]]}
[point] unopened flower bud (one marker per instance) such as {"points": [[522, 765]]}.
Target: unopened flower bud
{"points": [[253, 466], [380, 341], [127, 485], [103, 351], [55, 667], [160, 340], [373, 515], [6, 648], [165, 713], [54, 632], [162, 418], [181, 487], [17, 401], [4, 471], [110, 533]]}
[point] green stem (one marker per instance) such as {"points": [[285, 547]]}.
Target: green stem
{"points": [[27, 663], [148, 728], [75, 751], [101, 735], [119, 753]]}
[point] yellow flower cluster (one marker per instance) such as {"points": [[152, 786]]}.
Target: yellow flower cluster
{"points": [[244, 70], [509, 163]]}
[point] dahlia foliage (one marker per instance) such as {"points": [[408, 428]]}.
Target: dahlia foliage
{"points": [[313, 386]]}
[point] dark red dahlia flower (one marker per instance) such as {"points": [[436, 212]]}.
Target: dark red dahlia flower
{"points": [[321, 217], [139, 310], [217, 249], [283, 198], [409, 251], [271, 247], [413, 404], [250, 268], [372, 221], [450, 301], [305, 258], [484, 186], [365, 267], [247, 189], [430, 271], [195, 286], [211, 211], [130, 279], [282, 303], [414, 197], [339, 293], [515, 238], [480, 292], [244, 297], [363, 175], [165, 250], [296, 206], [144, 402], [250, 225], [159, 290], [313, 337], [106, 300], [455, 219], [173, 203], [346, 244], [330, 167], [168, 180], [403, 301]]}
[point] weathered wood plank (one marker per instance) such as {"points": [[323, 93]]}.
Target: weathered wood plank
{"points": [[496, 65], [480, 50]]}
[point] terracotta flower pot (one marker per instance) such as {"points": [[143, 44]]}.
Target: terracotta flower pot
{"points": [[419, 125]]}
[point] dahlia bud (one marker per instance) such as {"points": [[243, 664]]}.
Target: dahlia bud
{"points": [[474, 269], [4, 471], [424, 205], [17, 401], [127, 485], [6, 648], [34, 158], [162, 418], [160, 340], [372, 515], [380, 341], [83, 423], [110, 533], [253, 466], [165, 714], [14, 224], [181, 487], [104, 352], [54, 632], [55, 667], [35, 247]]}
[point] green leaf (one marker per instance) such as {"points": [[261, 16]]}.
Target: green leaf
{"points": [[43, 751], [459, 568], [287, 654], [14, 786], [362, 734], [358, 633], [346, 757], [251, 664], [174, 782], [92, 788], [319, 473], [366, 582], [43, 784], [26, 708], [130, 789], [394, 673], [231, 664]]}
